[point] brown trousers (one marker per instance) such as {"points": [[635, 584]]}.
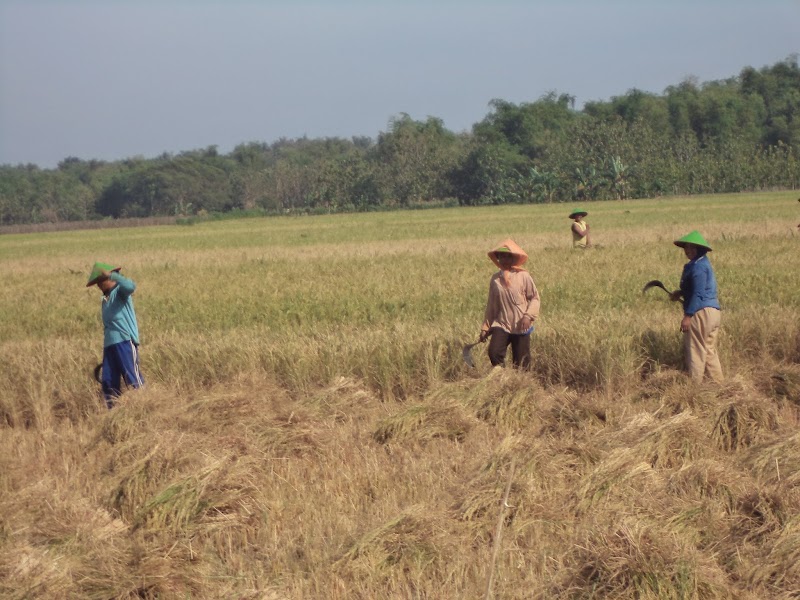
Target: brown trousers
{"points": [[520, 348], [700, 345]]}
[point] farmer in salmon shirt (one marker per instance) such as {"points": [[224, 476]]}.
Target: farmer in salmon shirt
{"points": [[121, 331], [512, 307]]}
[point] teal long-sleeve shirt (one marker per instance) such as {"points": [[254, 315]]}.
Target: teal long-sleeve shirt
{"points": [[119, 318]]}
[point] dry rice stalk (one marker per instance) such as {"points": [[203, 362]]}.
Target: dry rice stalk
{"points": [[664, 443], [785, 383], [345, 399], [482, 491], [423, 423], [566, 410], [740, 424], [140, 469], [672, 443], [707, 479], [635, 560], [658, 383], [498, 531], [768, 461], [402, 548], [506, 397], [618, 477], [763, 512], [780, 568]]}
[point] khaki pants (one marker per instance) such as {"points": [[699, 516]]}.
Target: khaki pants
{"points": [[699, 345]]}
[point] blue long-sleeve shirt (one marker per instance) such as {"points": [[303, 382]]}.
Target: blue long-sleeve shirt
{"points": [[698, 286], [119, 318]]}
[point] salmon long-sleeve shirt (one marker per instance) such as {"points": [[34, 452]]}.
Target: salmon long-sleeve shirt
{"points": [[507, 305]]}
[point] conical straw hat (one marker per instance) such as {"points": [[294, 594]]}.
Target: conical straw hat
{"points": [[97, 270], [693, 238], [512, 247]]}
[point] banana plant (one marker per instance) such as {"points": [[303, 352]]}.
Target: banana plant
{"points": [[618, 175], [545, 183], [587, 183]]}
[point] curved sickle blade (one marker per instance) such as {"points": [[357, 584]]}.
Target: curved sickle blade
{"points": [[652, 284], [468, 356]]}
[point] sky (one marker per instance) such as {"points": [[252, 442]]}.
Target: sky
{"points": [[116, 79]]}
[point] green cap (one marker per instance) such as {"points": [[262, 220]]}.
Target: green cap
{"points": [[578, 212], [693, 238], [503, 249], [97, 270]]}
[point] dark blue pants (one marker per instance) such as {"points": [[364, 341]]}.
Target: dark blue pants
{"points": [[120, 361]]}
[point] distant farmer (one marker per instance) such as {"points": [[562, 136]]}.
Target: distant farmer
{"points": [[701, 311], [512, 307], [580, 230], [121, 332]]}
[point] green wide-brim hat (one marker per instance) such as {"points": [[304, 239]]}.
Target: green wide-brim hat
{"points": [[578, 212], [97, 270], [693, 238]]}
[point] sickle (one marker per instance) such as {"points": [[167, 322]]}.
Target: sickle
{"points": [[654, 283]]}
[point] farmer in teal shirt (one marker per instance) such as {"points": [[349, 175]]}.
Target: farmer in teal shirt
{"points": [[121, 332]]}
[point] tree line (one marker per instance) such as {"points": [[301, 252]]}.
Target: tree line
{"points": [[737, 134]]}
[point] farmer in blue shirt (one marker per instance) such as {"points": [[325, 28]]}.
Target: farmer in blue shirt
{"points": [[701, 311], [121, 332]]}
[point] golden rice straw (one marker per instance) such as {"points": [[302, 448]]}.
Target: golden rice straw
{"points": [[499, 531]]}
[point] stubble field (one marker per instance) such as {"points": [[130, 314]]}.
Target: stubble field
{"points": [[309, 429]]}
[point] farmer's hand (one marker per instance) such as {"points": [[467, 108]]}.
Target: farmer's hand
{"points": [[675, 296], [484, 335], [526, 323], [686, 323], [103, 275]]}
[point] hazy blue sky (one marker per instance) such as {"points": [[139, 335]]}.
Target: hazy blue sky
{"points": [[115, 79]]}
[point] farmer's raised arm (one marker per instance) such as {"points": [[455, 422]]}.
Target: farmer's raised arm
{"points": [[125, 286], [579, 231]]}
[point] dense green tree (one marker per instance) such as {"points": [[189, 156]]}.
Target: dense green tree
{"points": [[530, 128], [33, 195], [16, 196], [186, 184], [346, 183], [779, 89], [489, 173], [414, 158], [740, 133], [633, 106]]}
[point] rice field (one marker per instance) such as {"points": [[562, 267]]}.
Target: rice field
{"points": [[310, 430]]}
